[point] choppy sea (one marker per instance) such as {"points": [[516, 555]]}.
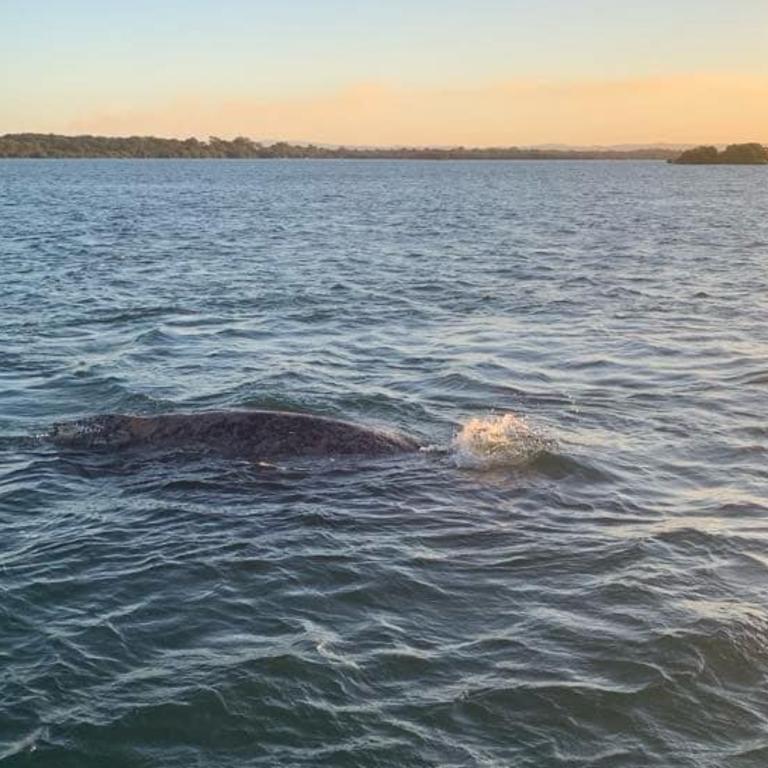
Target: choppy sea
{"points": [[576, 574]]}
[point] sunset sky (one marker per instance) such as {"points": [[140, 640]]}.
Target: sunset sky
{"points": [[486, 72]]}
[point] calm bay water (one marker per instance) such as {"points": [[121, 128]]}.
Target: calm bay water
{"points": [[605, 604]]}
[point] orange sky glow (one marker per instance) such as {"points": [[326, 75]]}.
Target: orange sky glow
{"points": [[683, 108]]}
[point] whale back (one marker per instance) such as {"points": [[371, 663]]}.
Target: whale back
{"points": [[250, 434]]}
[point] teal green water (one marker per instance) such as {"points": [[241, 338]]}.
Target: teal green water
{"points": [[602, 603]]}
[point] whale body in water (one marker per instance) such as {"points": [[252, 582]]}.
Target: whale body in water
{"points": [[252, 434]]}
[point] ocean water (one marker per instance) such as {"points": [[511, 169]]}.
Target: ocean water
{"points": [[575, 575]]}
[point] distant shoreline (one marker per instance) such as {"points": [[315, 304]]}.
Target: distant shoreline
{"points": [[340, 158], [37, 146]]}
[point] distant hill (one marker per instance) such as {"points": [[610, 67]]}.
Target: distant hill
{"points": [[56, 146], [733, 154]]}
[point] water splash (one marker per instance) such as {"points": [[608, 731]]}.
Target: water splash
{"points": [[498, 440]]}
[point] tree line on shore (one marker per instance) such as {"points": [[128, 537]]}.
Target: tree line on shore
{"points": [[733, 154], [53, 145]]}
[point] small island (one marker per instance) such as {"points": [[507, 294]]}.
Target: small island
{"points": [[733, 154]]}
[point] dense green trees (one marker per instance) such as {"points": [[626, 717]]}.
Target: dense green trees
{"points": [[697, 156], [744, 154], [733, 154], [51, 145]]}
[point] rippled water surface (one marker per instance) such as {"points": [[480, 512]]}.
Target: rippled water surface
{"points": [[604, 603]]}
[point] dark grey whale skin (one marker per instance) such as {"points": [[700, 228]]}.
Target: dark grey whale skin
{"points": [[249, 434]]}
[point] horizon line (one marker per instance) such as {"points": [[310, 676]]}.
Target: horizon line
{"points": [[552, 146]]}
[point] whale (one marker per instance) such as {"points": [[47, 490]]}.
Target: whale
{"points": [[258, 435]]}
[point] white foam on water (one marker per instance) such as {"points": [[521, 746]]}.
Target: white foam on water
{"points": [[498, 440]]}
